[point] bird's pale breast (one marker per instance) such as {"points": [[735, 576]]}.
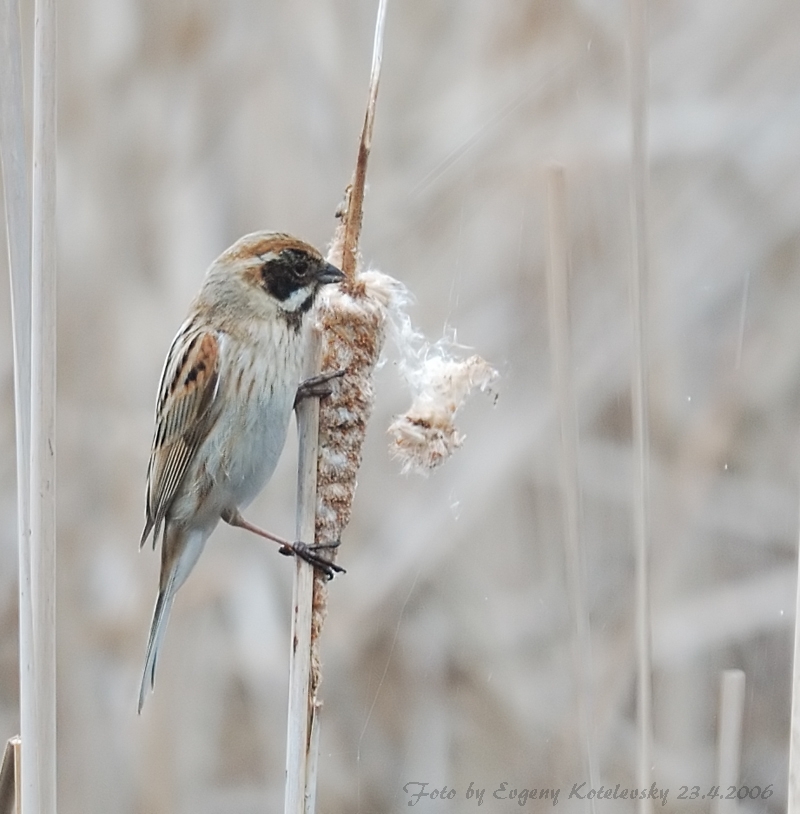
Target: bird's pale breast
{"points": [[258, 383]]}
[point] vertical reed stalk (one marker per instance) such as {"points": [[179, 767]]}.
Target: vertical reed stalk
{"points": [[39, 791], [639, 273], [729, 738], [352, 322], [558, 272], [298, 741], [13, 160]]}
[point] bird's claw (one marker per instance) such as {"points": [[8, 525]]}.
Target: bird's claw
{"points": [[308, 553], [319, 386]]}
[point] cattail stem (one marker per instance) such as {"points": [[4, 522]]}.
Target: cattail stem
{"points": [[639, 390], [352, 324], [312, 763], [39, 770], [353, 331], [298, 741]]}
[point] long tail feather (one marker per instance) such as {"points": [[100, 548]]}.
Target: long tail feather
{"points": [[159, 625], [180, 550]]}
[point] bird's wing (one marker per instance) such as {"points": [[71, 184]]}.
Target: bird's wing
{"points": [[185, 413]]}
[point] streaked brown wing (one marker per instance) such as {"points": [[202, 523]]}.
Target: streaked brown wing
{"points": [[184, 416]]}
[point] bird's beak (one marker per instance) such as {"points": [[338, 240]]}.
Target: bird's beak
{"points": [[329, 274]]}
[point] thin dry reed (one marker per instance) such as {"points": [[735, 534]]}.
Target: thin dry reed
{"points": [[558, 271], [39, 773], [31, 263], [13, 158], [638, 62], [300, 783]]}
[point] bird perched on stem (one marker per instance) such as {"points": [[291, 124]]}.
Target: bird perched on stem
{"points": [[226, 396]]}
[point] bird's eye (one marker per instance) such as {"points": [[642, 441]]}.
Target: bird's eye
{"points": [[295, 262], [286, 272], [290, 264]]}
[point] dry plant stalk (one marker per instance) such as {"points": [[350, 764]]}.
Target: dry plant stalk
{"points": [[13, 161], [32, 259], [300, 748], [639, 392], [558, 289], [39, 777], [352, 324], [354, 320]]}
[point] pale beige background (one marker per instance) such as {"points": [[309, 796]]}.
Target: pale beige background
{"points": [[183, 125]]}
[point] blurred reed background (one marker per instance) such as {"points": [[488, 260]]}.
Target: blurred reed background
{"points": [[448, 649]]}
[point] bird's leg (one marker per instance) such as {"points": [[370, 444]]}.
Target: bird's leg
{"points": [[317, 386], [303, 550], [235, 519]]}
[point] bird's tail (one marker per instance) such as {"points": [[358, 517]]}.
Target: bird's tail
{"points": [[159, 625]]}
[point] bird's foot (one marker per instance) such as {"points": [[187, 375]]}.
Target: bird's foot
{"points": [[319, 386], [309, 554]]}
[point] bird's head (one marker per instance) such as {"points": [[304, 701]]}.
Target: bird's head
{"points": [[271, 270]]}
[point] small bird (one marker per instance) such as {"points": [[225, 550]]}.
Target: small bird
{"points": [[227, 391]]}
